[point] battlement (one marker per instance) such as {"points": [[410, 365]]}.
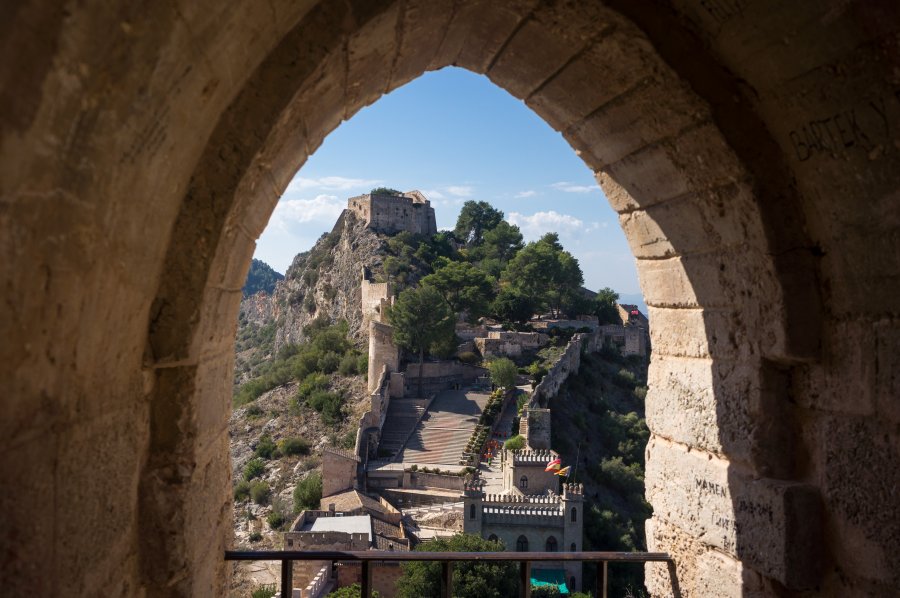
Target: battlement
{"points": [[573, 491], [533, 456], [545, 499]]}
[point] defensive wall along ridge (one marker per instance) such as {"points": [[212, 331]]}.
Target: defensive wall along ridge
{"points": [[748, 147]]}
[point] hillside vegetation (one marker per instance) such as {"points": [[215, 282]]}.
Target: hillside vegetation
{"points": [[598, 417]]}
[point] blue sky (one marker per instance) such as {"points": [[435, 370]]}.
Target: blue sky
{"points": [[456, 136]]}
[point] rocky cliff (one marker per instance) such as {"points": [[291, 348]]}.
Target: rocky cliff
{"points": [[322, 282]]}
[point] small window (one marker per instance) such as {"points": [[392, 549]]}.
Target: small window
{"points": [[572, 583], [574, 514], [493, 538], [523, 484], [471, 511], [572, 548], [290, 542], [551, 545], [522, 544]]}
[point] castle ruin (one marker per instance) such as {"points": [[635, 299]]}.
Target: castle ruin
{"points": [[390, 214]]}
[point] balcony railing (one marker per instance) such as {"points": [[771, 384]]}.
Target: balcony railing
{"points": [[287, 557]]}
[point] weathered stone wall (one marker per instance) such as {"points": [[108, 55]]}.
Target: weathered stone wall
{"points": [[383, 352], [749, 148], [339, 471], [392, 214]]}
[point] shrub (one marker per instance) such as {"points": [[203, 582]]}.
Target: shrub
{"points": [[468, 357], [503, 372], [265, 448], [362, 364], [640, 393], [328, 404], [294, 445], [264, 591], [255, 536], [254, 468], [329, 362], [242, 491], [276, 520], [311, 383], [515, 443], [260, 492], [348, 364], [308, 493], [253, 411]]}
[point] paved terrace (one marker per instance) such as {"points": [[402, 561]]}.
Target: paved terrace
{"points": [[442, 434]]}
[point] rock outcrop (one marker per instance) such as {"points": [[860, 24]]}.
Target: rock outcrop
{"points": [[322, 282]]}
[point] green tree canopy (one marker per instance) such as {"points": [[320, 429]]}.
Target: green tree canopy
{"points": [[475, 218], [511, 305], [605, 306], [260, 277], [503, 373], [545, 273], [385, 191], [471, 579], [464, 287], [421, 317]]}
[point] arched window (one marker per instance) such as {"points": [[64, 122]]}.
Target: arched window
{"points": [[574, 514], [523, 482], [471, 511], [551, 545], [492, 538], [522, 544], [572, 547], [572, 583]]}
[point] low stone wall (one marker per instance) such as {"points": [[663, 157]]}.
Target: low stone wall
{"points": [[418, 479]]}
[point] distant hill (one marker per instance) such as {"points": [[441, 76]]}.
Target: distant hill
{"points": [[261, 277]]}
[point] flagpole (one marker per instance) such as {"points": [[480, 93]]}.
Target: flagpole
{"points": [[577, 455]]}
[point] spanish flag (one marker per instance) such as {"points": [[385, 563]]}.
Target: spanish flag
{"points": [[564, 472], [554, 465]]}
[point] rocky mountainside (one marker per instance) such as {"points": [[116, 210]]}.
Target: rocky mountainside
{"points": [[323, 282]]}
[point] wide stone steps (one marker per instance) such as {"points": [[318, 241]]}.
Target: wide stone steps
{"points": [[402, 417]]}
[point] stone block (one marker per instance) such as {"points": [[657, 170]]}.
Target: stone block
{"points": [[488, 26], [657, 108], [687, 332], [696, 160], [887, 370], [532, 55], [772, 525], [611, 67], [418, 42], [370, 58], [738, 409], [709, 220]]}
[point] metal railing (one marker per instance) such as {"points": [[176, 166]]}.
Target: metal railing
{"points": [[287, 558]]}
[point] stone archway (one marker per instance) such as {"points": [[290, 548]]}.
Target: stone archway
{"points": [[158, 141]]}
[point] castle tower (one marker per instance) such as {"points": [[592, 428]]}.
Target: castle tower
{"points": [[339, 471], [382, 352], [473, 498], [573, 526]]}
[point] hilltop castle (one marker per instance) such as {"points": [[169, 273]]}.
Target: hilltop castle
{"points": [[389, 213]]}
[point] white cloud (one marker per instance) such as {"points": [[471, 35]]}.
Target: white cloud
{"points": [[331, 183], [460, 190], [537, 224], [322, 209], [433, 194], [572, 188], [529, 193]]}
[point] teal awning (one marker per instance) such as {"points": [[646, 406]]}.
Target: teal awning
{"points": [[550, 577]]}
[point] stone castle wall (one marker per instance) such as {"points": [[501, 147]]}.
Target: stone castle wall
{"points": [[395, 213]]}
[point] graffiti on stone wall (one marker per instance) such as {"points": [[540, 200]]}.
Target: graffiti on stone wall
{"points": [[865, 126]]}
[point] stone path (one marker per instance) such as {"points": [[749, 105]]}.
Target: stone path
{"points": [[443, 432]]}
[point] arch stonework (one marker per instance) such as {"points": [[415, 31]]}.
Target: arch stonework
{"points": [[750, 149]]}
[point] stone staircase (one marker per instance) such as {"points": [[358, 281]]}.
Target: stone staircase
{"points": [[402, 417], [443, 432]]}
